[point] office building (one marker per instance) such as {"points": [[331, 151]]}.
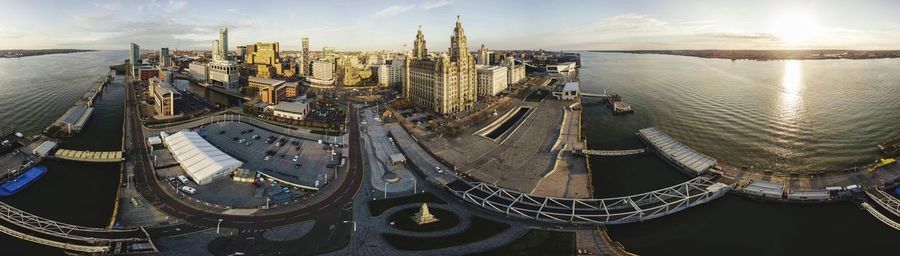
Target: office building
{"points": [[134, 54], [291, 110], [484, 56], [446, 84], [396, 71], [223, 44], [266, 58], [165, 59], [323, 69], [515, 73], [304, 69], [273, 91], [241, 52], [199, 71], [491, 80], [165, 97], [383, 75], [224, 74]]}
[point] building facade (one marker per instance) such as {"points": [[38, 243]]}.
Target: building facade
{"points": [[134, 56], [491, 80], [304, 68], [515, 73], [199, 71], [273, 91], [165, 59], [266, 57], [446, 84], [484, 56], [225, 74], [291, 110], [165, 97], [323, 69]]}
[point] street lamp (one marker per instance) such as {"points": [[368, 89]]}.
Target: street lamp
{"points": [[218, 225], [354, 224]]}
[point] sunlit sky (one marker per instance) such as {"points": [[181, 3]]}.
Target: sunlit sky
{"points": [[391, 25]]}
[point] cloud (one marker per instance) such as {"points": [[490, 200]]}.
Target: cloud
{"points": [[175, 5], [393, 10], [431, 4]]}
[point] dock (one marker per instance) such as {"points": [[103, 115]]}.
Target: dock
{"points": [[90, 156], [75, 118], [677, 154], [615, 101]]}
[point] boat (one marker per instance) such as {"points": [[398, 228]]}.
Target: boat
{"points": [[18, 183]]}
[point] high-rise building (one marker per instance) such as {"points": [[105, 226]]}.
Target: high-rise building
{"points": [[165, 60], [134, 54], [515, 73], [484, 57], [306, 60], [396, 74], [165, 97], [223, 43], [384, 75], [266, 57], [445, 84], [215, 51], [241, 52], [224, 73]]}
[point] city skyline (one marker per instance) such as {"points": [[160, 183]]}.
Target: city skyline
{"points": [[390, 25]]}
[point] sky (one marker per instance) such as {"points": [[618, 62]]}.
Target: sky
{"points": [[391, 25]]}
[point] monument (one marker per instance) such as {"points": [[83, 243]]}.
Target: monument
{"points": [[423, 216]]}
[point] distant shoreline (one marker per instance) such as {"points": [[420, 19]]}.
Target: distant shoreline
{"points": [[28, 53], [767, 55]]}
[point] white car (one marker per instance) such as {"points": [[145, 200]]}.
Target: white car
{"points": [[267, 158], [438, 169], [182, 179], [189, 190], [296, 158]]}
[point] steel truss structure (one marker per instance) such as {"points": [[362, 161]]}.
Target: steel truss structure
{"points": [[73, 237], [885, 200], [616, 210]]}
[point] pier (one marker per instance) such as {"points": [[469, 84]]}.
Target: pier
{"points": [[74, 119], [90, 156], [677, 154], [616, 102]]}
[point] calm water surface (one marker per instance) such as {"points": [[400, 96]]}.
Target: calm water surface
{"points": [[790, 116], [35, 91]]}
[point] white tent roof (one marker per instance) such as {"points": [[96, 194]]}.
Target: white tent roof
{"points": [[199, 159]]}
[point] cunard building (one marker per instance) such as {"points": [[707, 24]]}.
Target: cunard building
{"points": [[445, 84]]}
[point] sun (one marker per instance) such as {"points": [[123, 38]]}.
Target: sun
{"points": [[794, 28]]}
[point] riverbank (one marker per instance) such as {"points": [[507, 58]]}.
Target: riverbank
{"points": [[28, 53], [767, 55]]}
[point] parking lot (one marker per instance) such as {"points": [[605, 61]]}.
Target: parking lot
{"points": [[298, 161]]}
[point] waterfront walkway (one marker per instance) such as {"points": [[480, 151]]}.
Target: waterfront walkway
{"points": [[624, 152]]}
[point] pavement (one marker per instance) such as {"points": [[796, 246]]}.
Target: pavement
{"points": [[379, 148]]}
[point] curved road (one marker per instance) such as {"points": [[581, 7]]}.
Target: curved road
{"points": [[150, 188]]}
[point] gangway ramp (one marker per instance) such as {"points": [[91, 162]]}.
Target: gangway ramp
{"points": [[600, 152], [885, 200], [89, 156]]}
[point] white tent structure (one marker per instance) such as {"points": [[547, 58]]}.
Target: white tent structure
{"points": [[202, 162]]}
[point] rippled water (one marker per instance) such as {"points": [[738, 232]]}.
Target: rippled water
{"points": [[789, 116], [34, 91]]}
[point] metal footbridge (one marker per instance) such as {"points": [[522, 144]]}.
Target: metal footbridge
{"points": [[886, 201], [33, 228], [626, 152], [615, 210]]}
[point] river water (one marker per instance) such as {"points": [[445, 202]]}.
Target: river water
{"points": [[35, 91], [785, 116]]}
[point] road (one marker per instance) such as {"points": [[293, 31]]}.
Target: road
{"points": [[151, 189]]}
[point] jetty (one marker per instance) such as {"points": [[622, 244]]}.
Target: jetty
{"points": [[90, 156], [74, 119]]}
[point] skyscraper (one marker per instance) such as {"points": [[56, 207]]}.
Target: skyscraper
{"points": [[223, 43], [304, 42], [165, 60], [445, 84], [134, 53]]}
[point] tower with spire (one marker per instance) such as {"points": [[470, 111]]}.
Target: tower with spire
{"points": [[446, 84], [419, 49]]}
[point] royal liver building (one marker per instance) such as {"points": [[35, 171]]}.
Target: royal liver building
{"points": [[445, 84]]}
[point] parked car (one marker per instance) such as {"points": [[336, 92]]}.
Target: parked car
{"points": [[183, 179], [189, 190], [296, 158], [438, 169]]}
